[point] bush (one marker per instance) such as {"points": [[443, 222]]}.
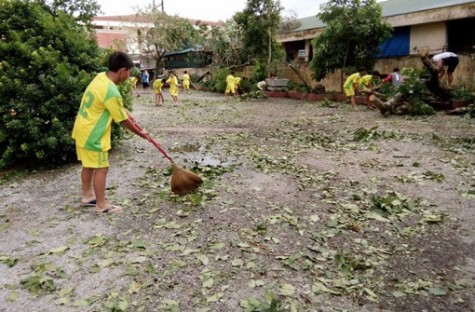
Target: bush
{"points": [[46, 63]]}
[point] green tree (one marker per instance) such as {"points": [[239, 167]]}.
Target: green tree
{"points": [[83, 11], [169, 33], [227, 44], [353, 32], [46, 62], [259, 22]]}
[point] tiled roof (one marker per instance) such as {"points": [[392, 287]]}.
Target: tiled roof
{"points": [[135, 18], [390, 8]]}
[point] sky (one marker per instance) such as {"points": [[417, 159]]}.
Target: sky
{"points": [[209, 10]]}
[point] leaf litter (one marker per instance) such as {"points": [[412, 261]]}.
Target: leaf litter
{"points": [[272, 228]]}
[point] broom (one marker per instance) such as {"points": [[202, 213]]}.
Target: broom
{"points": [[183, 181]]}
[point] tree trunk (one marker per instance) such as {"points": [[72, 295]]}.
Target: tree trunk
{"points": [[296, 71], [269, 56], [433, 84], [386, 107]]}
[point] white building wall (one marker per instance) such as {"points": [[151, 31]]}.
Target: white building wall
{"points": [[433, 36]]}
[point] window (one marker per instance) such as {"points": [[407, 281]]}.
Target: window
{"points": [[461, 35]]}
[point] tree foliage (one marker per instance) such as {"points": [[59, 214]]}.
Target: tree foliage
{"points": [[46, 62], [259, 22], [83, 11], [353, 32], [227, 45], [169, 33]]}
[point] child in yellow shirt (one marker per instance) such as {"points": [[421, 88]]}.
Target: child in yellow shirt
{"points": [[157, 86], [186, 82], [173, 82], [352, 84], [100, 105], [230, 85]]}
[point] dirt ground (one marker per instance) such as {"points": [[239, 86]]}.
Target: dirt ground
{"points": [[304, 208]]}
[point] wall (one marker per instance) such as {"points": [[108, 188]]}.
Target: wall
{"points": [[463, 75], [431, 35]]}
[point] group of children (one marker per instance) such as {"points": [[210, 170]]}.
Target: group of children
{"points": [[361, 82], [364, 83], [158, 83]]}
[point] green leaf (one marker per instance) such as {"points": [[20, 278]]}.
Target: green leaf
{"points": [[204, 259], [13, 296], [376, 216], [81, 303], [287, 290], [215, 297], [62, 301], [436, 291], [237, 263], [58, 250], [208, 283]]}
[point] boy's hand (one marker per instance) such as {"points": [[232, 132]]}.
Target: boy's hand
{"points": [[144, 134]]}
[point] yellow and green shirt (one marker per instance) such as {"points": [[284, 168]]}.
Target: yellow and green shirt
{"points": [[100, 104], [352, 79], [365, 81]]}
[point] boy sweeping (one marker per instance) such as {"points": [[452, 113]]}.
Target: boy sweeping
{"points": [[100, 105]]}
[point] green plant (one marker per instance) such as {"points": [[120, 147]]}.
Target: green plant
{"points": [[218, 82], [463, 93], [298, 86], [253, 95], [46, 63]]}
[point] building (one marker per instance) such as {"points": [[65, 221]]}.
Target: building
{"points": [[123, 32], [440, 25]]}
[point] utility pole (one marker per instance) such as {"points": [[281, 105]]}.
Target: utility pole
{"points": [[161, 5]]}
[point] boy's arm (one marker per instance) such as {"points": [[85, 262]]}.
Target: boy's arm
{"points": [[131, 124]]}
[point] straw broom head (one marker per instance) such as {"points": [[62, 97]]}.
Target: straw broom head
{"points": [[184, 181]]}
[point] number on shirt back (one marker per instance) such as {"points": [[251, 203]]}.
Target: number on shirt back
{"points": [[87, 103]]}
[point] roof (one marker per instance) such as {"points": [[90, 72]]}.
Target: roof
{"points": [[136, 18], [397, 7], [390, 8], [187, 50]]}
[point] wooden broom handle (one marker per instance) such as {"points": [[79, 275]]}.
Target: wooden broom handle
{"points": [[157, 145], [160, 148]]}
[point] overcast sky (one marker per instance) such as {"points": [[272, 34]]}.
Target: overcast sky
{"points": [[210, 10]]}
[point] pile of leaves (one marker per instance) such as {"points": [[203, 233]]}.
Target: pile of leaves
{"points": [[253, 95]]}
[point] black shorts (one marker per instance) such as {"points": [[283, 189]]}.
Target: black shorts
{"points": [[451, 62], [145, 85]]}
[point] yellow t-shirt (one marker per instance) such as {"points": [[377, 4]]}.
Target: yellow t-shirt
{"points": [[101, 103], [134, 80], [173, 82], [230, 80], [352, 79], [157, 86], [186, 80], [365, 81]]}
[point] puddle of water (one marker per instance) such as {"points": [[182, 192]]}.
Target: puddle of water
{"points": [[196, 153], [207, 160], [186, 148]]}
